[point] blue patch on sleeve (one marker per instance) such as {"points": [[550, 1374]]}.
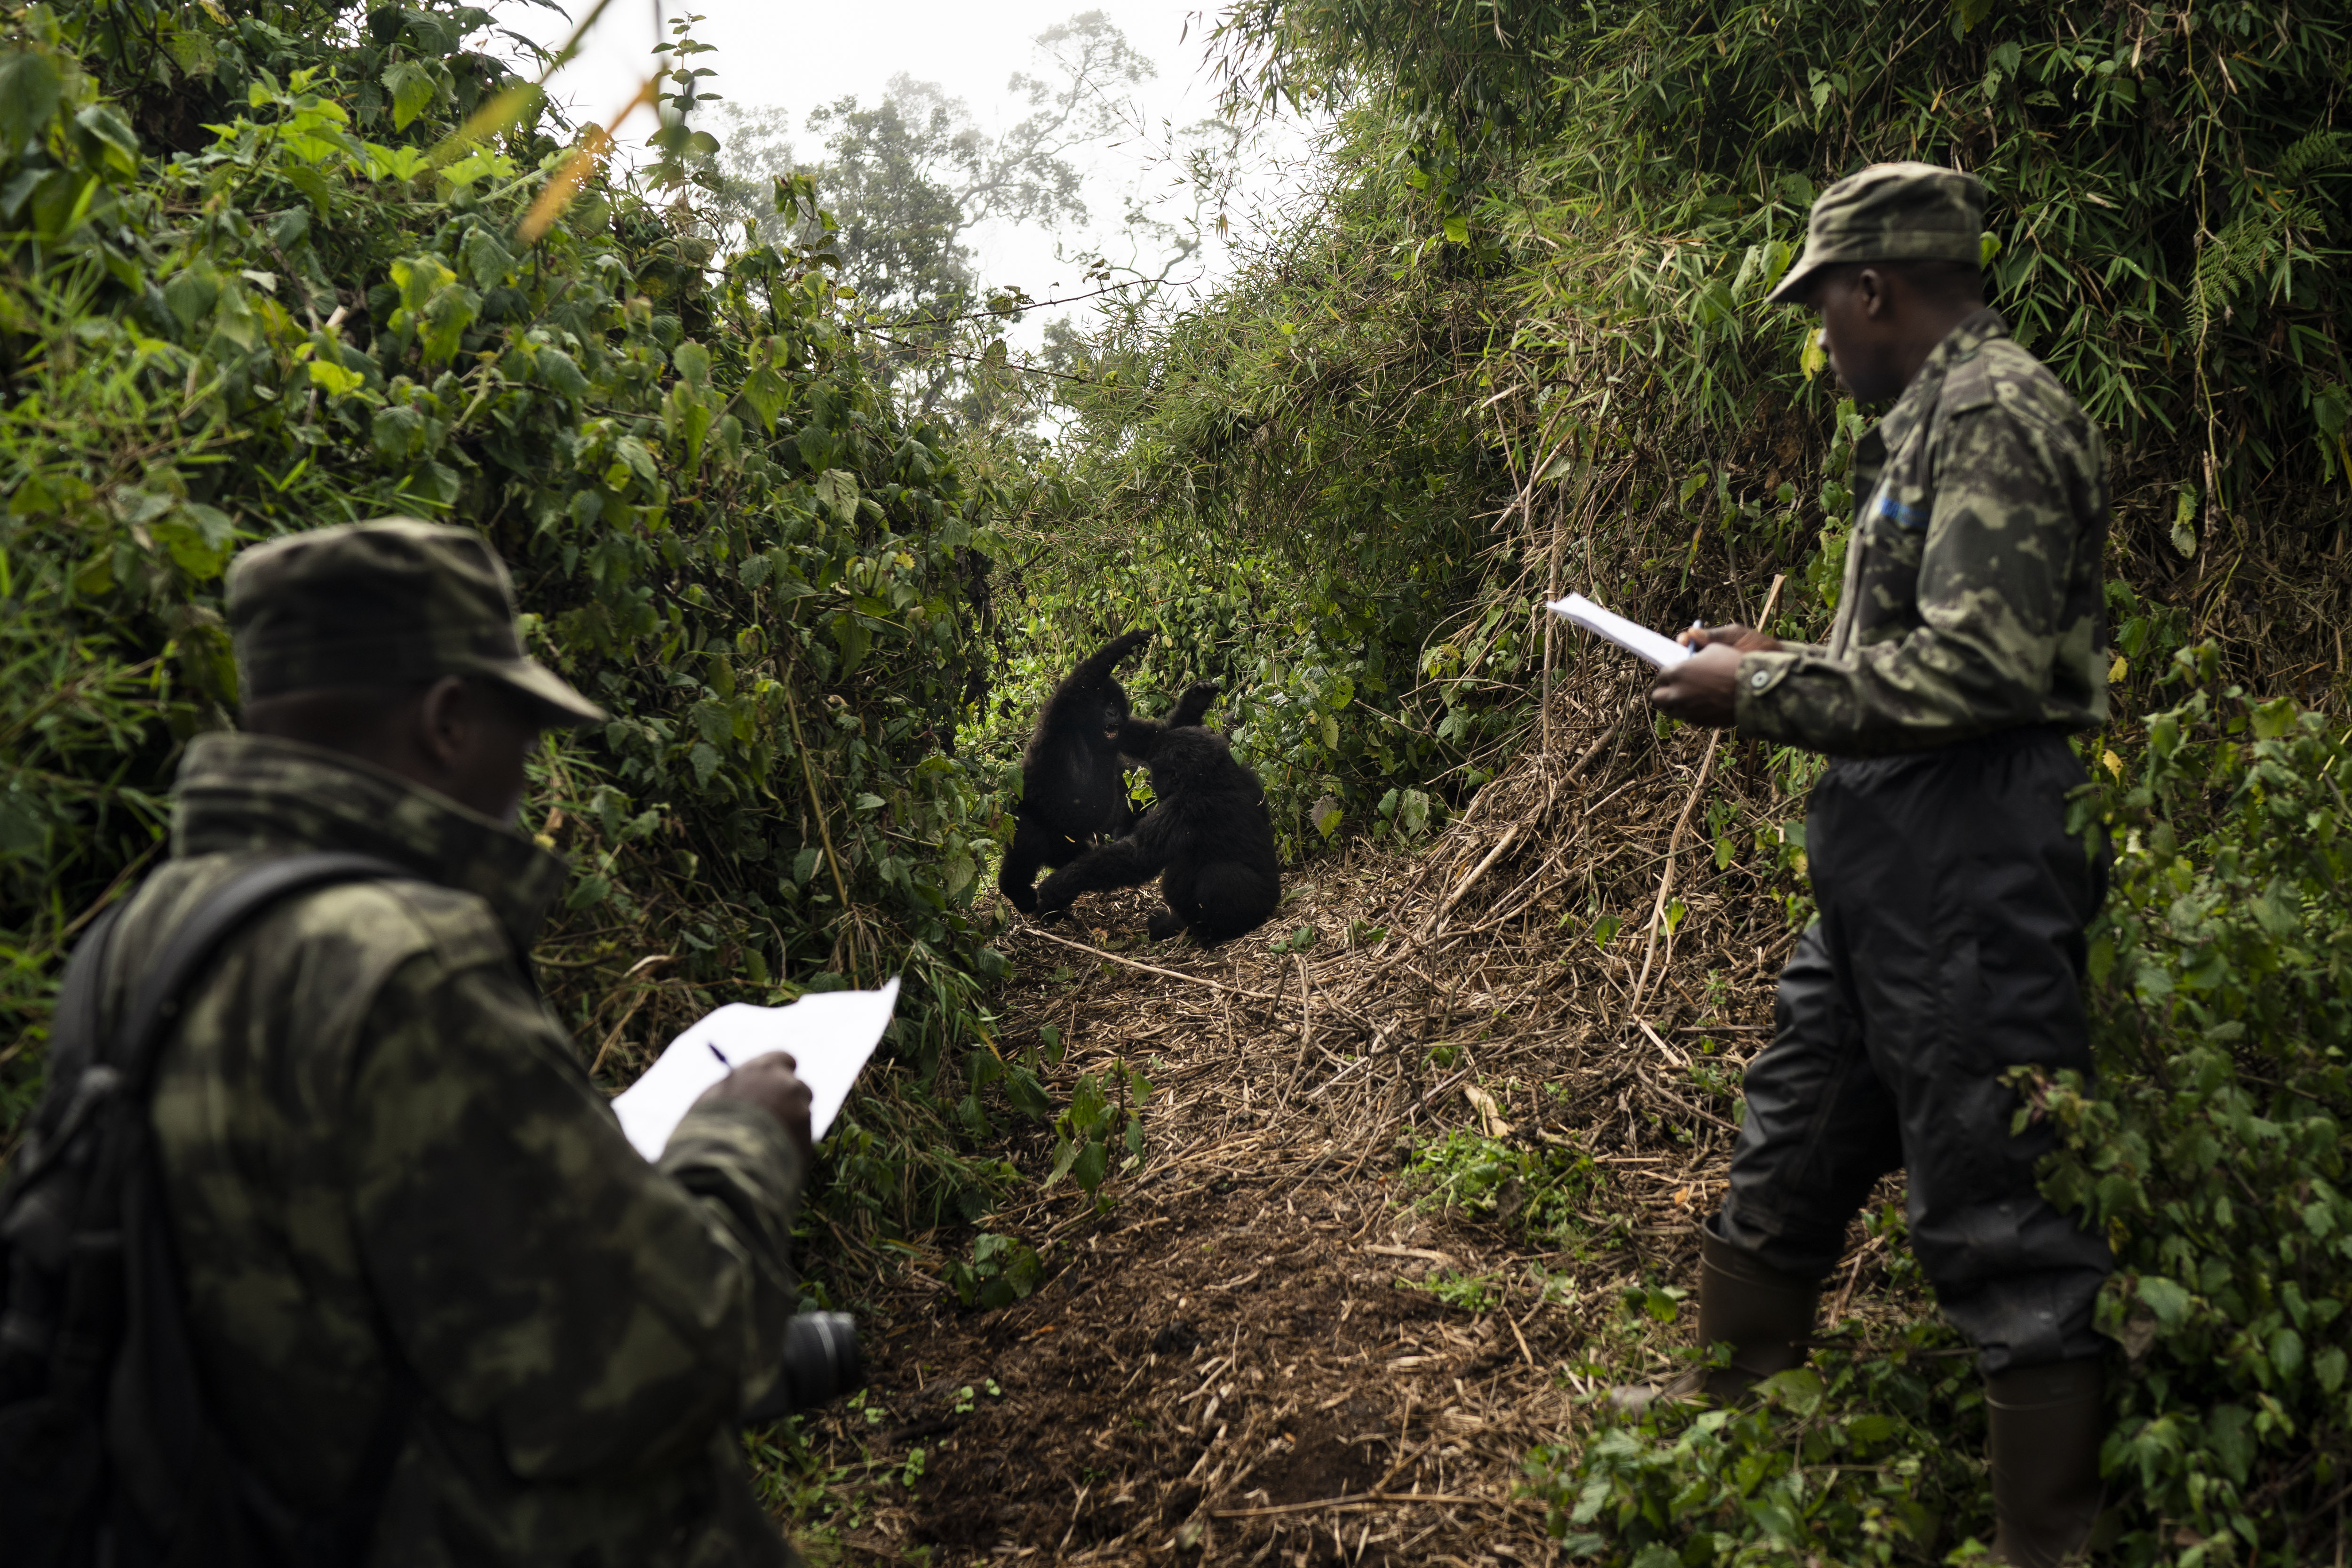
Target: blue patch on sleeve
{"points": [[1908, 516]]}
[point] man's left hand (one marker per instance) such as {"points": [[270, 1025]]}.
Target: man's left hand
{"points": [[1700, 689]]}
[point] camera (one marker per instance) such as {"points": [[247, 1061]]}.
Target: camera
{"points": [[821, 1362]]}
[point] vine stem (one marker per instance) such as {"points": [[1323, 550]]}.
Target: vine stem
{"points": [[825, 832]]}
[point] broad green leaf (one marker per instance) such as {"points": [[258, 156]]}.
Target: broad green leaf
{"points": [[395, 163], [314, 185], [334, 380], [412, 89], [1801, 1388], [481, 164], [2166, 1297], [838, 489], [106, 131], [29, 90]]}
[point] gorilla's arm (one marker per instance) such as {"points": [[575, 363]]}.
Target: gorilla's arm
{"points": [[1194, 705], [1123, 863], [1034, 845], [1137, 737], [1070, 775], [1086, 683]]}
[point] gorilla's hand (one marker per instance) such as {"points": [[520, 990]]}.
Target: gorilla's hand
{"points": [[1119, 646], [1194, 705]]}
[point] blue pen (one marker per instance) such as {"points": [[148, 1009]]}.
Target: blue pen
{"points": [[721, 1056]]}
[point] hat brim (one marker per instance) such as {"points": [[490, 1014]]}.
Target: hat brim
{"points": [[550, 691], [1797, 288]]}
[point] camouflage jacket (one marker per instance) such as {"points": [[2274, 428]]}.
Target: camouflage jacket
{"points": [[1971, 600], [377, 1140]]}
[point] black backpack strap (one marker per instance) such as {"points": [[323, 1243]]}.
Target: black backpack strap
{"points": [[156, 1004], [75, 1029]]}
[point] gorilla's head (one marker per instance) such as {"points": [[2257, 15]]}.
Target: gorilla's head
{"points": [[1114, 712], [1185, 761]]}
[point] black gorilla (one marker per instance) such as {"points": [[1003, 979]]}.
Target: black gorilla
{"points": [[1207, 838], [1073, 784]]}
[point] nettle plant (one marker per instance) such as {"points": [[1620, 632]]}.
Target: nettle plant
{"points": [[2213, 1150]]}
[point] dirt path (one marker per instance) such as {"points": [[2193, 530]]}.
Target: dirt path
{"points": [[1276, 1348]]}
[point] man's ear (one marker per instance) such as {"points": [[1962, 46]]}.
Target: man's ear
{"points": [[1872, 286], [444, 719]]}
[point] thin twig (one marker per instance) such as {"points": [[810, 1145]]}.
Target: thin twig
{"points": [[1674, 841], [1026, 930]]}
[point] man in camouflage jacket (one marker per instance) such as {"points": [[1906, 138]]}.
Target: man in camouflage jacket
{"points": [[390, 1184], [1967, 644]]}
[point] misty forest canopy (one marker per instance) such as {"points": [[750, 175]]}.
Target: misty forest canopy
{"points": [[783, 494], [910, 181]]}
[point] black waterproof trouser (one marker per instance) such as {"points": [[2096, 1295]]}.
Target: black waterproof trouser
{"points": [[1950, 949]]}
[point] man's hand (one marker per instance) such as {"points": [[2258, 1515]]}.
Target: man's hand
{"points": [[769, 1082], [1744, 639], [1701, 690]]}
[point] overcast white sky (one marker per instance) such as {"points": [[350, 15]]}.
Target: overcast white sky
{"points": [[798, 56]]}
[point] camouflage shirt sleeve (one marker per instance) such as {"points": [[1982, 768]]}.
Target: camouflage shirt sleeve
{"points": [[1975, 650], [601, 1317]]}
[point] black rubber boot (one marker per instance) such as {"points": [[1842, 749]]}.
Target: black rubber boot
{"points": [[2046, 1426], [1758, 1309]]}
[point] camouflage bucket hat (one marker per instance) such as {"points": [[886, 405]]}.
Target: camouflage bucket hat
{"points": [[388, 602], [1889, 212]]}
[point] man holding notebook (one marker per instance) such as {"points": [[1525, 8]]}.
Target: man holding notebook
{"points": [[1968, 646], [441, 1310]]}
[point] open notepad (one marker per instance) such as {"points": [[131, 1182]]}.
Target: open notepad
{"points": [[1658, 648], [830, 1037]]}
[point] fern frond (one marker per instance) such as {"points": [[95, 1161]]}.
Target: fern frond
{"points": [[2320, 150]]}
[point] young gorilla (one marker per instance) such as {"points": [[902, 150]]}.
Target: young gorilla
{"points": [[1208, 838], [1072, 783]]}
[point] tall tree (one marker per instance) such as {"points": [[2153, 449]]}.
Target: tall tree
{"points": [[908, 181]]}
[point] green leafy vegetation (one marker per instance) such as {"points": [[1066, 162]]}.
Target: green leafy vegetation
{"points": [[1541, 1193], [329, 301], [1101, 1126], [1002, 1270], [1874, 1453], [2215, 1152]]}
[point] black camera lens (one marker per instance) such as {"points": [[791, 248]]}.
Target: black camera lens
{"points": [[821, 1362]]}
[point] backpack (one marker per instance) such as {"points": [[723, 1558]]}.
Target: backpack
{"points": [[108, 1449]]}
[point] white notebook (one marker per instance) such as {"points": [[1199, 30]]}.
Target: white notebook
{"points": [[1658, 648], [830, 1035]]}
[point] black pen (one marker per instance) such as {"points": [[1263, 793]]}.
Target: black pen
{"points": [[721, 1056]]}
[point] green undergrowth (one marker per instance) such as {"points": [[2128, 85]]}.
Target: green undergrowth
{"points": [[1869, 1455], [2212, 1153], [310, 264], [1539, 1193]]}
